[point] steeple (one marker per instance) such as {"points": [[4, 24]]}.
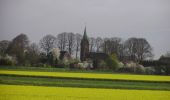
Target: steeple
{"points": [[85, 34], [84, 47]]}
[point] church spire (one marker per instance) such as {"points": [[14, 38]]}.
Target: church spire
{"points": [[85, 34]]}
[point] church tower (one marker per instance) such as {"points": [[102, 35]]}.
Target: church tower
{"points": [[84, 47]]}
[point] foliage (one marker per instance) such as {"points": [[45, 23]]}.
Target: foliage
{"points": [[112, 62], [149, 70], [4, 61], [17, 48], [7, 60], [102, 65], [32, 54], [132, 67], [3, 47]]}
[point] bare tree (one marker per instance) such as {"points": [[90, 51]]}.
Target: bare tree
{"points": [[98, 43], [144, 49], [78, 41], [105, 45], [115, 45], [62, 41], [47, 43], [92, 44], [71, 42], [138, 49]]}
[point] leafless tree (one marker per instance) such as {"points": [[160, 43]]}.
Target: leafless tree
{"points": [[62, 41], [138, 49], [115, 45], [71, 42], [77, 42], [98, 43], [105, 45], [92, 44], [47, 43]]}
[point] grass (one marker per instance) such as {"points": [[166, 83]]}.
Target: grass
{"points": [[83, 83], [44, 69], [16, 92], [90, 75]]}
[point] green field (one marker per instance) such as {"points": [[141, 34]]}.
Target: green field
{"points": [[90, 75], [21, 84], [83, 83], [15, 92]]}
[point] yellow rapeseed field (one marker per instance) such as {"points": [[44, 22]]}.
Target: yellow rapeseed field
{"points": [[17, 92], [90, 75]]}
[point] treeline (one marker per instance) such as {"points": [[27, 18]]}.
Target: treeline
{"points": [[136, 49], [25, 52]]}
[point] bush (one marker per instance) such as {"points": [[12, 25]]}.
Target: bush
{"points": [[140, 69], [102, 65], [7, 61], [132, 68], [112, 62], [149, 70], [160, 70]]}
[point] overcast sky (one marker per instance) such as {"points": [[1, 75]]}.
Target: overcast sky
{"points": [[106, 18]]}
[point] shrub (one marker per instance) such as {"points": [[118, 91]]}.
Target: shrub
{"points": [[8, 60], [139, 69], [149, 70], [160, 70], [112, 62], [102, 65], [132, 68]]}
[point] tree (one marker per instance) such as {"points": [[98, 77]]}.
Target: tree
{"points": [[112, 62], [138, 49], [98, 43], [71, 42], [92, 44], [47, 43], [18, 47], [3, 47], [111, 45], [115, 43], [167, 54], [62, 41], [77, 42], [32, 54], [105, 45]]}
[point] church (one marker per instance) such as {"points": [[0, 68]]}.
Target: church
{"points": [[85, 55]]}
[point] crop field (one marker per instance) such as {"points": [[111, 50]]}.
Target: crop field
{"points": [[91, 75], [15, 92], [39, 85]]}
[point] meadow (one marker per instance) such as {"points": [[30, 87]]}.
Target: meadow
{"points": [[16, 92]]}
